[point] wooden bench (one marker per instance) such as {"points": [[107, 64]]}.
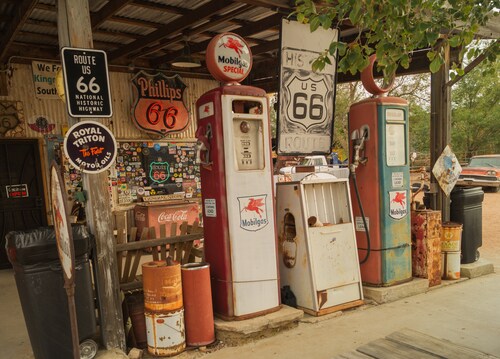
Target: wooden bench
{"points": [[180, 248]]}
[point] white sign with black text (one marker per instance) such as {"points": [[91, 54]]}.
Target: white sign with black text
{"points": [[306, 97]]}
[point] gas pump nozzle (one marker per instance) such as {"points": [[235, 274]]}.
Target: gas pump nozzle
{"points": [[358, 146]]}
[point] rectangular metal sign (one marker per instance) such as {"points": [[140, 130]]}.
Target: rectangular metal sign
{"points": [[306, 101], [86, 82]]}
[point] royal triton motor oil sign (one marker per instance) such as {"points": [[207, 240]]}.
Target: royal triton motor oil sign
{"points": [[159, 106]]}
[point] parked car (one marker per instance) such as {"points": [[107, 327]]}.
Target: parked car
{"points": [[318, 161], [482, 171]]}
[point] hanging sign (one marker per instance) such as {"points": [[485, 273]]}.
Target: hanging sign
{"points": [[446, 170], [90, 146], [42, 125], [86, 82], [229, 58], [306, 112], [44, 79], [159, 106]]}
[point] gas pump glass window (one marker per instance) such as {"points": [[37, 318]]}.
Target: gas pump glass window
{"points": [[395, 137], [248, 134]]}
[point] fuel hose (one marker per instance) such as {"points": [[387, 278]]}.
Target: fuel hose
{"points": [[368, 246]]}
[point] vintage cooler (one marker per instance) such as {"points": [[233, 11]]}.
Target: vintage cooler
{"points": [[156, 214]]}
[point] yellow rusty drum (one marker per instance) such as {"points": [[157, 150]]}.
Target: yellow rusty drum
{"points": [[162, 286], [451, 237]]}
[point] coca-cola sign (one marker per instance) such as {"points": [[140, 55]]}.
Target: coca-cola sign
{"points": [[177, 216], [159, 106]]}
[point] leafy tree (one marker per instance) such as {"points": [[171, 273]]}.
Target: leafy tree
{"points": [[393, 29], [476, 113]]}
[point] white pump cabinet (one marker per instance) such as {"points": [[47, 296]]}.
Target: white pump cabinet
{"points": [[318, 257]]}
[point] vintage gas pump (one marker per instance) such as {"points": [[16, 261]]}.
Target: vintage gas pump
{"points": [[237, 190], [380, 178]]}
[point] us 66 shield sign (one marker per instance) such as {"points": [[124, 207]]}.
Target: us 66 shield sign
{"points": [[86, 82]]}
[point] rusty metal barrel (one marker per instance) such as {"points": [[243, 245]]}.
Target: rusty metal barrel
{"points": [[197, 296], [163, 308], [450, 250]]}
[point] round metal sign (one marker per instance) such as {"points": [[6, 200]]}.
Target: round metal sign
{"points": [[90, 146], [61, 225], [229, 58]]}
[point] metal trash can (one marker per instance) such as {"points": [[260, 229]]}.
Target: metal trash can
{"points": [[40, 285], [467, 208]]}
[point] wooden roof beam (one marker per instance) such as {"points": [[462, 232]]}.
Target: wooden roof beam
{"points": [[191, 32], [251, 29], [19, 15], [106, 12], [175, 26]]}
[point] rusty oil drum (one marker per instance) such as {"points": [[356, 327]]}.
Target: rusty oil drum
{"points": [[163, 308], [198, 304]]}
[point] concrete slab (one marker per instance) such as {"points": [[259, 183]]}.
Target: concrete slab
{"points": [[476, 269], [395, 292], [236, 332]]}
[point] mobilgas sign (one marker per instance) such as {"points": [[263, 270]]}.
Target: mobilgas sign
{"points": [[90, 146], [229, 58], [86, 82]]}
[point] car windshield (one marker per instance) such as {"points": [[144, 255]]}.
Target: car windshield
{"points": [[485, 162]]}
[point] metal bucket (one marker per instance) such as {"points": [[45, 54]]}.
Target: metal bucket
{"points": [[198, 304], [135, 306], [162, 286], [165, 330], [451, 237], [450, 265]]}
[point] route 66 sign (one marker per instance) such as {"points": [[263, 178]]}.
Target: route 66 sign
{"points": [[305, 123], [309, 103]]}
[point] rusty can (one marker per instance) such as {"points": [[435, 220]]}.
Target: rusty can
{"points": [[450, 265], [198, 304], [162, 286], [165, 332], [451, 237]]}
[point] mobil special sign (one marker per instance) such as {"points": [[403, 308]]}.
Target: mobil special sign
{"points": [[86, 82], [306, 101], [90, 147]]}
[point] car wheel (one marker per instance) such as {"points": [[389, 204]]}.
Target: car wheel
{"points": [[490, 189]]}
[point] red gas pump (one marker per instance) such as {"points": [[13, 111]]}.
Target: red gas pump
{"points": [[380, 178], [237, 188]]}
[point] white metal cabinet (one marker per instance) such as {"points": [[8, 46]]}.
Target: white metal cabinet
{"points": [[317, 245]]}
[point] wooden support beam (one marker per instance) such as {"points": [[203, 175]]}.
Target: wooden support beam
{"points": [[175, 26], [74, 30], [440, 130], [21, 12]]}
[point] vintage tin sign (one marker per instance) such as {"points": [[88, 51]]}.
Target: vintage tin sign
{"points": [[90, 146], [159, 172], [159, 106], [229, 58], [398, 204], [253, 212]]}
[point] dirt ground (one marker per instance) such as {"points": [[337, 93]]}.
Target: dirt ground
{"points": [[490, 249]]}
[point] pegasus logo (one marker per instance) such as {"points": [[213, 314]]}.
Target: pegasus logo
{"points": [[254, 205], [233, 44], [400, 198]]}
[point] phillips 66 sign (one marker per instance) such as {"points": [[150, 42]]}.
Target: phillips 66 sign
{"points": [[306, 97]]}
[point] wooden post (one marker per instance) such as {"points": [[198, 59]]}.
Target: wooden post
{"points": [[74, 30], [440, 129]]}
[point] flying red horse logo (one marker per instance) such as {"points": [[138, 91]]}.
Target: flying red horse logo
{"points": [[400, 198], [233, 44], [255, 205]]}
